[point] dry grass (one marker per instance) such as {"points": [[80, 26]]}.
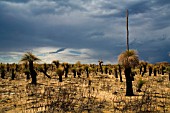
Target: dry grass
{"points": [[97, 94]]}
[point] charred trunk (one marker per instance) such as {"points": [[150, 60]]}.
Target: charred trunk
{"points": [[13, 74], [120, 73], [60, 78], [115, 71], [154, 71], [129, 88], [150, 71], [87, 72], [33, 73]]}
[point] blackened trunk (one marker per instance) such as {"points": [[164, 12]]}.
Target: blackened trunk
{"points": [[110, 72], [140, 70], [169, 76], [8, 67], [34, 77], [144, 70], [120, 73], [132, 76], [154, 72], [87, 72], [28, 75], [60, 78], [13, 74], [162, 70], [3, 74], [33, 73], [101, 69], [79, 74], [74, 74], [66, 73], [129, 88], [66, 69], [150, 71], [116, 75], [45, 73], [106, 70]]}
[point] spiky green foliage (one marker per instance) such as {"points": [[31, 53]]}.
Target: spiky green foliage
{"points": [[140, 84], [29, 57], [128, 58]]}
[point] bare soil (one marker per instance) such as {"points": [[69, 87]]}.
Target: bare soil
{"points": [[101, 93]]}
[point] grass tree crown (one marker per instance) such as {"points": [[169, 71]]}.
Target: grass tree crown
{"points": [[29, 57], [128, 58]]}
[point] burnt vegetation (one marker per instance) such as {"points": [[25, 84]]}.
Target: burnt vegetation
{"points": [[84, 88]]}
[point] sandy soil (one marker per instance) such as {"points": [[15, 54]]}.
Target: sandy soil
{"points": [[104, 94]]}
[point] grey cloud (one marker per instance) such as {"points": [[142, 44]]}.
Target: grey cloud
{"points": [[59, 50], [100, 27]]}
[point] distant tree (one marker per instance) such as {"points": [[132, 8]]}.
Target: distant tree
{"points": [[144, 65], [57, 63], [78, 64], [2, 69], [30, 58], [100, 66], [168, 71], [66, 69], [150, 69], [128, 59], [7, 67], [115, 71], [120, 72], [86, 68], [106, 69], [110, 71], [155, 70], [13, 74], [60, 73], [44, 70], [73, 69]]}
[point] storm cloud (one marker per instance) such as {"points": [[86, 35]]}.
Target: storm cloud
{"points": [[88, 30]]}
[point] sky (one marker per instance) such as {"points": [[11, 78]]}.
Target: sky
{"points": [[84, 30]]}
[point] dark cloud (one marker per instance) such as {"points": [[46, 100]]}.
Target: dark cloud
{"points": [[59, 50], [139, 7], [99, 27]]}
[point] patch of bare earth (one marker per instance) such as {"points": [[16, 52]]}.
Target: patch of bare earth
{"points": [[100, 93]]}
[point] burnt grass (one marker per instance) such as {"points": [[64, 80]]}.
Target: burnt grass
{"points": [[100, 93]]}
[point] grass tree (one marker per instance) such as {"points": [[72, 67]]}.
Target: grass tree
{"points": [[12, 74], [86, 68], [57, 63], [2, 69], [44, 69], [100, 66], [73, 69], [150, 69], [128, 59], [115, 71], [120, 72], [144, 65], [155, 70], [60, 73], [106, 69], [168, 71], [30, 59], [66, 68]]}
